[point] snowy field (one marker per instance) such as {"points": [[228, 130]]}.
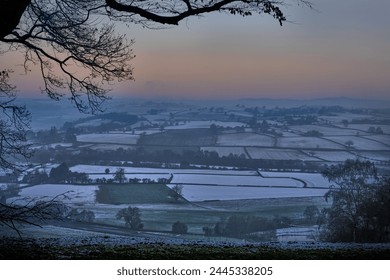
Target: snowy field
{"points": [[323, 129], [141, 176], [224, 180], [114, 138], [100, 169], [204, 124], [338, 118], [110, 147], [53, 146], [372, 155], [365, 127], [73, 193], [334, 155], [294, 234], [225, 151], [307, 142], [313, 180], [359, 143], [384, 139], [202, 193], [278, 154], [245, 139]]}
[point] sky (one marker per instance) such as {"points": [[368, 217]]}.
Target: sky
{"points": [[342, 48]]}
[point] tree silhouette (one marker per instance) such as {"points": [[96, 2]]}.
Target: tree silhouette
{"points": [[14, 120], [132, 217], [120, 176], [360, 204]]}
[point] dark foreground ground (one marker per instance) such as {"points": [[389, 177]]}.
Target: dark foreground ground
{"points": [[92, 248]]}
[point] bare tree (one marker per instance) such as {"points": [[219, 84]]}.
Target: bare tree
{"points": [[120, 175], [14, 120], [31, 212], [177, 191]]}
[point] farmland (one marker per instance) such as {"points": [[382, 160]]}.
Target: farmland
{"points": [[202, 165]]}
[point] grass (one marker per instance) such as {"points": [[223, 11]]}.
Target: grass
{"points": [[165, 212], [134, 194], [30, 249], [181, 137]]}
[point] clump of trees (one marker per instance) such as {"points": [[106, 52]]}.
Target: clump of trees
{"points": [[313, 133], [132, 217], [241, 225], [177, 191], [179, 228], [81, 215], [120, 176], [360, 209], [59, 174]]}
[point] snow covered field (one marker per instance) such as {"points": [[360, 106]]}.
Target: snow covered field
{"points": [[359, 143], [73, 193], [334, 155], [218, 180], [278, 154], [205, 124], [141, 176], [322, 129], [202, 193], [307, 142], [110, 147], [245, 139], [365, 127], [372, 155], [226, 151], [113, 138], [91, 169], [313, 180]]}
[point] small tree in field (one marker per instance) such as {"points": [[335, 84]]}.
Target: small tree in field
{"points": [[179, 228], [120, 175], [177, 192], [132, 217]]}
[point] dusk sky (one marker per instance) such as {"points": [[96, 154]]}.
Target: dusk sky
{"points": [[340, 49]]}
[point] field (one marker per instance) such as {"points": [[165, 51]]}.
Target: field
{"points": [[245, 139], [359, 143], [310, 180], [333, 155], [204, 193], [307, 143], [326, 130], [233, 180], [111, 138], [180, 137], [241, 159], [226, 151], [204, 124], [278, 154], [100, 169], [70, 194]]}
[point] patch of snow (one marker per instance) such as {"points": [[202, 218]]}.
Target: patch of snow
{"points": [[202, 193], [112, 138]]}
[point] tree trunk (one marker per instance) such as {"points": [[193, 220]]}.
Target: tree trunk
{"points": [[11, 12]]}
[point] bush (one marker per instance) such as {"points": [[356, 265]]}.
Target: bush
{"points": [[179, 228]]}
